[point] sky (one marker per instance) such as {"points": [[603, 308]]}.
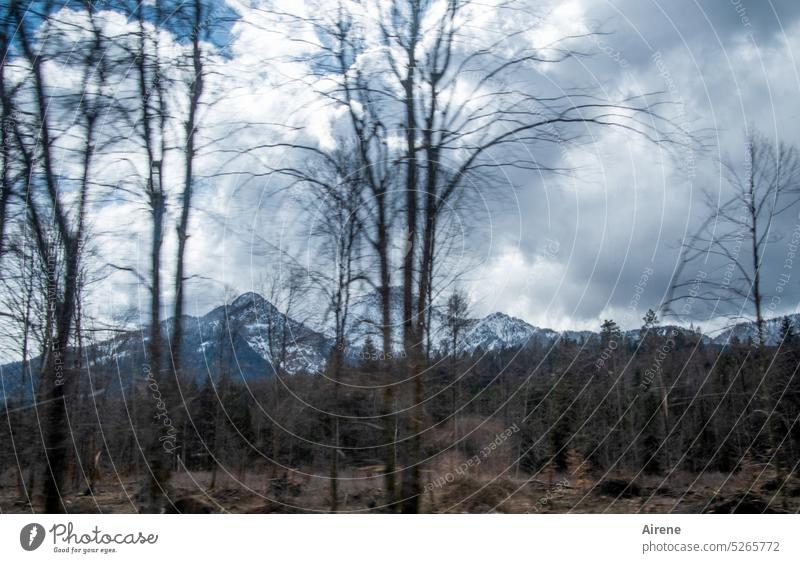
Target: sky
{"points": [[605, 244], [568, 252], [562, 251]]}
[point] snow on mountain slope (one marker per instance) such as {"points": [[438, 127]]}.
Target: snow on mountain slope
{"points": [[251, 338], [493, 332], [747, 331], [498, 331], [279, 340]]}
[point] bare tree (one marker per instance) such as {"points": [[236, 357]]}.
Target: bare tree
{"points": [[340, 232], [733, 241], [198, 24], [463, 117], [443, 112], [740, 227], [152, 131], [57, 221], [341, 42]]}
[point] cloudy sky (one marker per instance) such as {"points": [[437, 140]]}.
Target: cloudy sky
{"points": [[571, 252], [560, 251]]}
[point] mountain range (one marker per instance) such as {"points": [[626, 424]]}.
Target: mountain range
{"points": [[250, 338]]}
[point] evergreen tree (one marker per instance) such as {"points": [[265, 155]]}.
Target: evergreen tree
{"points": [[610, 331], [650, 320]]}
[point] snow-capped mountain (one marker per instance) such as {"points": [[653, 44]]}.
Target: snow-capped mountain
{"points": [[493, 332], [284, 343], [498, 331], [250, 338], [247, 338]]}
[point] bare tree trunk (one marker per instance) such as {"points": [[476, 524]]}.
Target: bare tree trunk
{"points": [[411, 486], [54, 382], [153, 114], [390, 459], [195, 93], [755, 246], [334, 475], [6, 118]]}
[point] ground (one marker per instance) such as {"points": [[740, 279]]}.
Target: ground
{"points": [[447, 493]]}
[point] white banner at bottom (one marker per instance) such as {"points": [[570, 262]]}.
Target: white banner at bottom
{"points": [[396, 538]]}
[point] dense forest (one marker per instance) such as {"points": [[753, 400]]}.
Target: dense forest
{"points": [[664, 422]]}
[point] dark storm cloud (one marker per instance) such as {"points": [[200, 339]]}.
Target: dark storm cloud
{"points": [[726, 67], [641, 27]]}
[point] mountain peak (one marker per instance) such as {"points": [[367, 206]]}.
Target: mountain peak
{"points": [[499, 316], [247, 298]]}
